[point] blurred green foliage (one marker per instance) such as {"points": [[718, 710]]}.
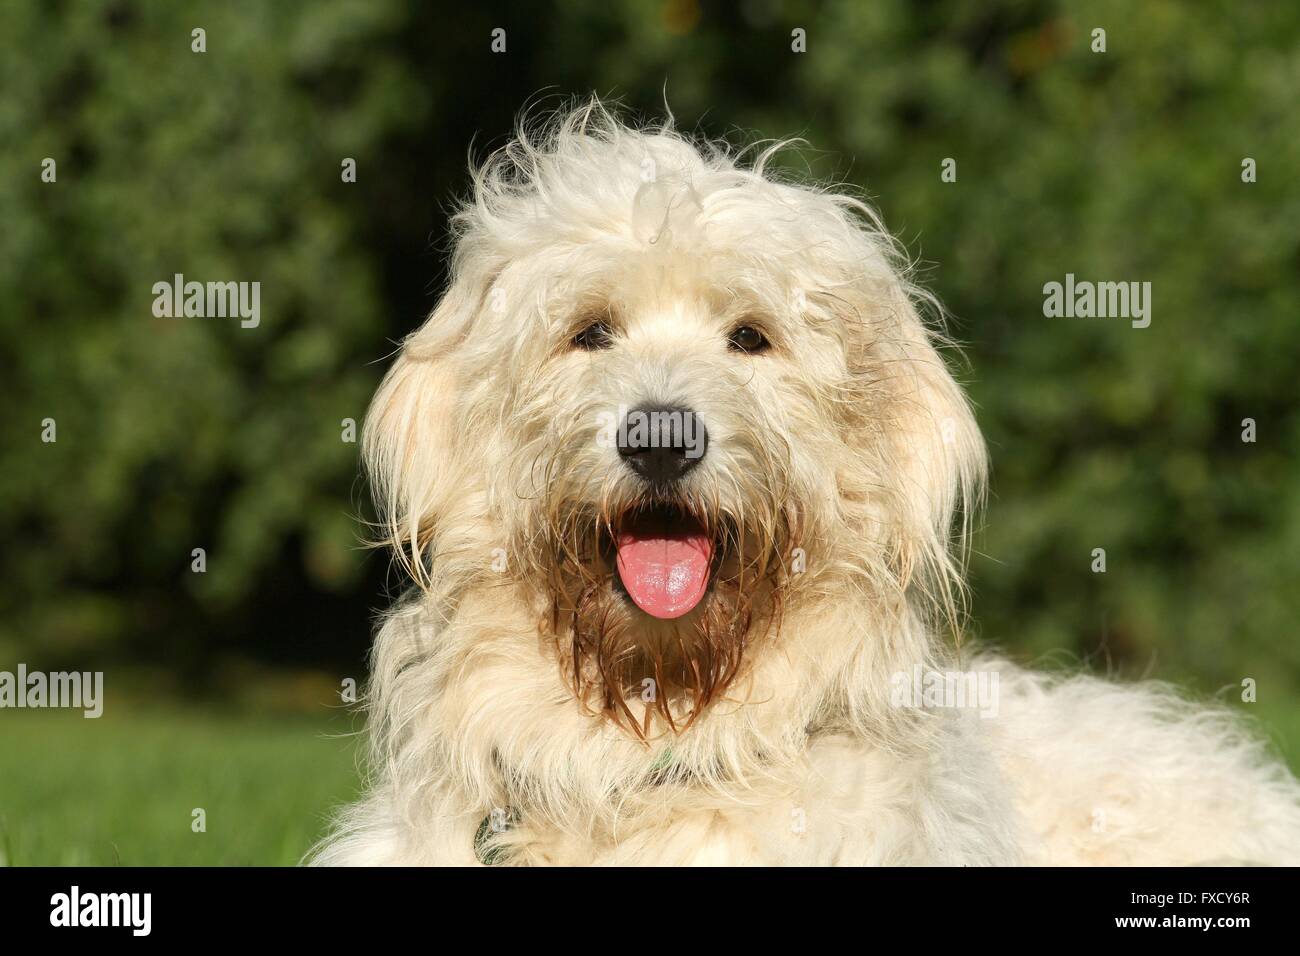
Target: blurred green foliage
{"points": [[176, 434]]}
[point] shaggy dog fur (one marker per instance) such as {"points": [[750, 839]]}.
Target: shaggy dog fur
{"points": [[523, 710]]}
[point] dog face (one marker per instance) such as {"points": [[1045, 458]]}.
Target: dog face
{"points": [[664, 488], [679, 401]]}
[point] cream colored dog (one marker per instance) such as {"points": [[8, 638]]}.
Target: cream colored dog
{"points": [[681, 480]]}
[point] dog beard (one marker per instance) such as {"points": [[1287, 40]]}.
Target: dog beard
{"points": [[617, 658]]}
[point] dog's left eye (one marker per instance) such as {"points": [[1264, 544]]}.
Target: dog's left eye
{"points": [[593, 337], [747, 339]]}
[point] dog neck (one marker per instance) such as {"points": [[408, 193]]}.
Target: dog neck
{"points": [[470, 712]]}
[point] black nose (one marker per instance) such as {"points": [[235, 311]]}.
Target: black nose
{"points": [[661, 443]]}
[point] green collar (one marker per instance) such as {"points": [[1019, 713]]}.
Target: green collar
{"points": [[489, 855], [484, 851]]}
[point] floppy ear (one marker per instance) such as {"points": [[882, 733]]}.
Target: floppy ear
{"points": [[941, 453], [414, 457], [921, 458], [941, 462]]}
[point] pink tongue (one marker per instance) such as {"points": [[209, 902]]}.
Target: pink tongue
{"points": [[664, 570]]}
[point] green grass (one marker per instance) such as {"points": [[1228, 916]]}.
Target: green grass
{"points": [[121, 789], [1278, 721]]}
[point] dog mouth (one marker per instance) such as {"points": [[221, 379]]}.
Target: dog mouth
{"points": [[664, 558]]}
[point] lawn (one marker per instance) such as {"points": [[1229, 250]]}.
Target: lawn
{"points": [[122, 789]]}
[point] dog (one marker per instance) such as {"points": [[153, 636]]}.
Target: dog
{"points": [[681, 482]]}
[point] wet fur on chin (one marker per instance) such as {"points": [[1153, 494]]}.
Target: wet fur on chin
{"points": [[636, 671], [843, 468]]}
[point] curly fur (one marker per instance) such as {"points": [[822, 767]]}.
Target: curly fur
{"points": [[842, 470]]}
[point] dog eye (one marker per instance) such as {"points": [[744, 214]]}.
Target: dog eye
{"points": [[593, 337], [747, 339]]}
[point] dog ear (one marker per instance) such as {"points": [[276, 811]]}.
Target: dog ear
{"points": [[414, 455], [921, 454], [940, 449]]}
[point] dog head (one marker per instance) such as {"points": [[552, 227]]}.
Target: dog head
{"points": [[671, 401]]}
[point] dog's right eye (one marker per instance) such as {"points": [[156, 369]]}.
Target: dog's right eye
{"points": [[594, 337]]}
